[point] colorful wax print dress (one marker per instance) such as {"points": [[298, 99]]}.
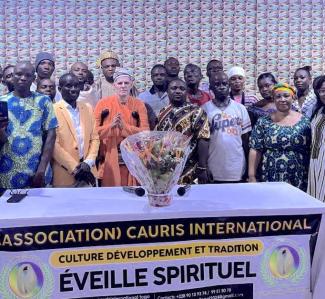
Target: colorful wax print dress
{"points": [[285, 150]]}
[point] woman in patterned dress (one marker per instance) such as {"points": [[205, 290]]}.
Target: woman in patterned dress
{"points": [[316, 178], [281, 142]]}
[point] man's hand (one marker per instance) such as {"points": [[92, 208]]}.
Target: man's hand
{"points": [[38, 180], [80, 170], [120, 123], [3, 135], [3, 122], [116, 121], [83, 173], [90, 178], [3, 127], [103, 115], [202, 175]]}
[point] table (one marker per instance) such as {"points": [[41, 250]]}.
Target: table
{"points": [[249, 240]]}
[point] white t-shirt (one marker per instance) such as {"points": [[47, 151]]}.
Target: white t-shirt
{"points": [[226, 160], [89, 97]]}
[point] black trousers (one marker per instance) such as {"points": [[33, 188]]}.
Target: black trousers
{"points": [[228, 182]]}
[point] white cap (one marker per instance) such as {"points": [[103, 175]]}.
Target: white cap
{"points": [[120, 71], [236, 71]]}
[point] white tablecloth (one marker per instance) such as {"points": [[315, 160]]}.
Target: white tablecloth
{"points": [[53, 206]]}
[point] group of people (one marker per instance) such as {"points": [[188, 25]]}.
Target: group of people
{"points": [[69, 135]]}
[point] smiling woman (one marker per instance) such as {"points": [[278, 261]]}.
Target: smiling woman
{"points": [[281, 142]]}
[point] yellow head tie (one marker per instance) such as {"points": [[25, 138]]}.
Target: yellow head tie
{"points": [[284, 87]]}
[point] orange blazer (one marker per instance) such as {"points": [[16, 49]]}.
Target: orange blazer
{"points": [[66, 152]]}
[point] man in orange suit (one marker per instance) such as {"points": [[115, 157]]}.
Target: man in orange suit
{"points": [[77, 142]]}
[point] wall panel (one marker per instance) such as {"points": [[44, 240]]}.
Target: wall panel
{"points": [[262, 35]]}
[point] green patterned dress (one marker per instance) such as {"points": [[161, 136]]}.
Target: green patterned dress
{"points": [[285, 149]]}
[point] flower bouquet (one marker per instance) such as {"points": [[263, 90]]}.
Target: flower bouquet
{"points": [[156, 159]]}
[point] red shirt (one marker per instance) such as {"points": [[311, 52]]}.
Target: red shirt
{"points": [[205, 97]]}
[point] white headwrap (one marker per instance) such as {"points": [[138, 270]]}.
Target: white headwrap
{"points": [[236, 71]]}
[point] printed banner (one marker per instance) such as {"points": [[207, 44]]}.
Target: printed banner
{"points": [[229, 257]]}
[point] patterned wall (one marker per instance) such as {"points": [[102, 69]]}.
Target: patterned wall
{"points": [[260, 35]]}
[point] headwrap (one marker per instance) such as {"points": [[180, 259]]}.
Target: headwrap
{"points": [[236, 71], [284, 87], [120, 71], [43, 56], [106, 55]]}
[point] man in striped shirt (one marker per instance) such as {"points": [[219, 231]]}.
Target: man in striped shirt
{"points": [[237, 79]]}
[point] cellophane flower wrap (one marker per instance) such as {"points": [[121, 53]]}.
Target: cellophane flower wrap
{"points": [[156, 159]]}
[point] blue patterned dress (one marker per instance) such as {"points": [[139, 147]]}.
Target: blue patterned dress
{"points": [[285, 149], [29, 119]]}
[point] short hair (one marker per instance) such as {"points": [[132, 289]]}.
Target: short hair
{"points": [[7, 67], [193, 66], [25, 62], [214, 60], [170, 58], [157, 66], [221, 73], [265, 76], [177, 79], [40, 81], [63, 78]]}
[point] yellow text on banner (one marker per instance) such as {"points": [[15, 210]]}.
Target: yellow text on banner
{"points": [[83, 257]]}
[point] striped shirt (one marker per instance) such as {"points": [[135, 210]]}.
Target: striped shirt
{"points": [[316, 177], [308, 105], [245, 99]]}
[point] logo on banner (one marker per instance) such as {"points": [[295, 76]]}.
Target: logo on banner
{"points": [[284, 262], [26, 277]]}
